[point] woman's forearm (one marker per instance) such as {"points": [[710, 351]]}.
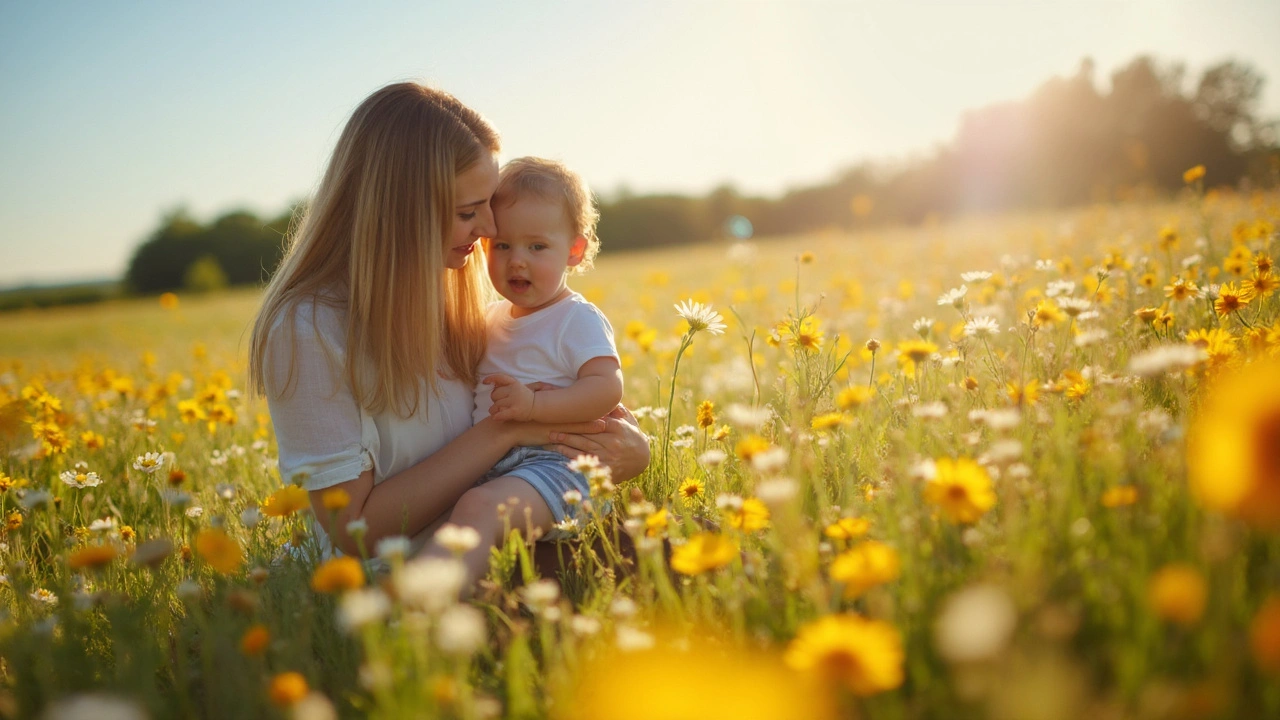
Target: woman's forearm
{"points": [[410, 500]]}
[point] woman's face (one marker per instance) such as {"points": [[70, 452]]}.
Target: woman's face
{"points": [[472, 216]]}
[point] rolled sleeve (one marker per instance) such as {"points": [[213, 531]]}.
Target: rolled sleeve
{"points": [[318, 423]]}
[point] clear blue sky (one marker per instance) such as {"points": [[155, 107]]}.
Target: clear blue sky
{"points": [[112, 112]]}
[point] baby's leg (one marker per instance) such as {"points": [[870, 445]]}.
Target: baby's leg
{"points": [[478, 508]]}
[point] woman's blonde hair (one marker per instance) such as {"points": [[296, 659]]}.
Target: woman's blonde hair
{"points": [[371, 243], [553, 182]]}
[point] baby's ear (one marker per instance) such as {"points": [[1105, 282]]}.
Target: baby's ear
{"points": [[577, 250]]}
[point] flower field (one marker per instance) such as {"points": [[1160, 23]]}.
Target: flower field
{"points": [[1014, 467]]}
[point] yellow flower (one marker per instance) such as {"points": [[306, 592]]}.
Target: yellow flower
{"points": [[807, 337], [286, 501], [828, 421], [721, 433], [656, 523], [706, 414], [287, 688], [1262, 284], [690, 488], [168, 301], [1168, 238], [190, 411], [917, 351], [847, 528], [14, 520], [1233, 446], [961, 488], [703, 552], [337, 575], [1264, 635], [663, 684], [853, 396], [92, 440], [1230, 299], [1120, 496], [254, 641], [752, 516], [1047, 313], [335, 499], [220, 550], [1177, 593], [1024, 395], [92, 556], [865, 566], [863, 655], [749, 446], [1193, 174]]}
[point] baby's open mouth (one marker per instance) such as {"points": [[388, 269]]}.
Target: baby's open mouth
{"points": [[519, 284]]}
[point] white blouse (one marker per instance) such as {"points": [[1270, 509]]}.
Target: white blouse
{"points": [[322, 431]]}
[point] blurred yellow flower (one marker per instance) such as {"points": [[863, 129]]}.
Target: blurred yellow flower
{"points": [[655, 524], [703, 552], [961, 488], [92, 556], [1047, 312], [752, 516], [853, 396], [662, 684], [1193, 174], [168, 301], [749, 446], [287, 689], [1177, 593], [828, 421], [862, 655], [1230, 300], [865, 566], [92, 440], [1233, 446], [847, 528], [1120, 496], [286, 501], [338, 574], [220, 550], [335, 499]]}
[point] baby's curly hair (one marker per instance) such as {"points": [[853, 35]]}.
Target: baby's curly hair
{"points": [[553, 182]]}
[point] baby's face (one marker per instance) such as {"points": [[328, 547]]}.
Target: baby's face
{"points": [[531, 253]]}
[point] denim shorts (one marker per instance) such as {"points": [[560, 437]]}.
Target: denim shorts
{"points": [[548, 472]]}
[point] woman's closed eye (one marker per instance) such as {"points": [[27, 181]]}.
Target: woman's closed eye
{"points": [[467, 216]]}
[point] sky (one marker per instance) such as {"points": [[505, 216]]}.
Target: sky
{"points": [[114, 113]]}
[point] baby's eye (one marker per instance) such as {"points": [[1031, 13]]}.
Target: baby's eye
{"points": [[500, 246], [539, 246]]}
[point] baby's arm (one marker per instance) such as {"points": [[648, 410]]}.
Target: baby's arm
{"points": [[595, 393]]}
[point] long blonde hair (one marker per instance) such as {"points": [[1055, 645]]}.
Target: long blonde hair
{"points": [[371, 243]]}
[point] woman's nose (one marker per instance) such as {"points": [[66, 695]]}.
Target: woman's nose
{"points": [[485, 227]]}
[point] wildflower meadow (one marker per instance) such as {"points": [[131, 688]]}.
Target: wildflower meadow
{"points": [[1023, 467]]}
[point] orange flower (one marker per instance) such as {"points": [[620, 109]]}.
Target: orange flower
{"points": [[254, 641], [286, 501], [220, 550], [287, 688], [340, 573]]}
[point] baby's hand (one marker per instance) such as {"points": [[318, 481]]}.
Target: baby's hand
{"points": [[511, 400]]}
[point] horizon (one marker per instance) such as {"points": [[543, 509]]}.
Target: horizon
{"points": [[121, 113]]}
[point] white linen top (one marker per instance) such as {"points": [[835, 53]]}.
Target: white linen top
{"points": [[320, 428]]}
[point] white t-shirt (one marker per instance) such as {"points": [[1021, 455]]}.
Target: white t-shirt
{"points": [[322, 430], [549, 346]]}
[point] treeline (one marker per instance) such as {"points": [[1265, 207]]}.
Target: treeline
{"points": [[1070, 142]]}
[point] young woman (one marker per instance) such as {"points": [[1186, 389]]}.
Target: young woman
{"points": [[369, 334]]}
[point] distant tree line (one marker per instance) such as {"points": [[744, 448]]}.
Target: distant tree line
{"points": [[1070, 142]]}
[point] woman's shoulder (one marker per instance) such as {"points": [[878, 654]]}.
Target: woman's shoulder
{"points": [[322, 313]]}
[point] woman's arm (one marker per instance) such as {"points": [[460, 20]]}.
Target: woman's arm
{"points": [[621, 444], [408, 501]]}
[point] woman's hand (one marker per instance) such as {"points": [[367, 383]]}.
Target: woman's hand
{"points": [[620, 444]]}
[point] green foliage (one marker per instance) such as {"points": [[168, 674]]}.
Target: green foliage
{"points": [[246, 249], [204, 275]]}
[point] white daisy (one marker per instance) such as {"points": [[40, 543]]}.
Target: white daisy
{"points": [[953, 296], [148, 463], [981, 327], [701, 317], [80, 479], [976, 276]]}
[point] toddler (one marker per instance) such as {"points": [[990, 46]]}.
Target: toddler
{"points": [[542, 335]]}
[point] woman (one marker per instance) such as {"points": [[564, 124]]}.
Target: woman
{"points": [[369, 334]]}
